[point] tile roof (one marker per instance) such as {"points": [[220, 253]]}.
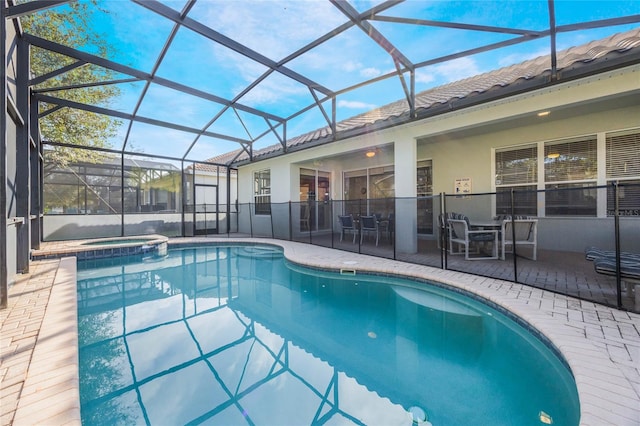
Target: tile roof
{"points": [[213, 163], [439, 99]]}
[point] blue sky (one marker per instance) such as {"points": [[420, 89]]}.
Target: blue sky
{"points": [[276, 29]]}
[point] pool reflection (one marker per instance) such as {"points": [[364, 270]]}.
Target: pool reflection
{"points": [[234, 335]]}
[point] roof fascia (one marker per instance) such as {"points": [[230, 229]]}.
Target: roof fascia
{"points": [[609, 62]]}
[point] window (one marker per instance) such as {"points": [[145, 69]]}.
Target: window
{"points": [[570, 172], [570, 175], [623, 166], [628, 198], [517, 170], [524, 200], [517, 166], [262, 191]]}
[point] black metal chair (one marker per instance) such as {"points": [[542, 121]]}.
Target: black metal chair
{"points": [[369, 224], [347, 224]]}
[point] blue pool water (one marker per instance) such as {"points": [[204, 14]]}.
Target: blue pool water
{"points": [[235, 335]]}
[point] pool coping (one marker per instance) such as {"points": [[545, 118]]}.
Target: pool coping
{"points": [[82, 249], [51, 390], [607, 396]]}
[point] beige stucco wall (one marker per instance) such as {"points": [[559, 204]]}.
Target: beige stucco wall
{"points": [[472, 156]]}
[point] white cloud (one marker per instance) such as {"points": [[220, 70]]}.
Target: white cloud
{"points": [[370, 72], [274, 28], [424, 77], [350, 66], [274, 89], [457, 69], [159, 140], [356, 105]]}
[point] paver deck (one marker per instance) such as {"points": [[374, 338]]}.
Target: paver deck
{"points": [[39, 366]]}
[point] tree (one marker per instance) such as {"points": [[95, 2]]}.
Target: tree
{"points": [[70, 25]]}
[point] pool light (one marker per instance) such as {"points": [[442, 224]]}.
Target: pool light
{"points": [[545, 418]]}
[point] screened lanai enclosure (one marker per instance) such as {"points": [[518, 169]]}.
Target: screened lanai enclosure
{"points": [[107, 194], [129, 118]]}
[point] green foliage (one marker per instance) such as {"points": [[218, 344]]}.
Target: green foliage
{"points": [[70, 25]]}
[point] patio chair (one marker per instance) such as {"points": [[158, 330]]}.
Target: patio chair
{"points": [[385, 225], [369, 224], [461, 234], [391, 224], [443, 228], [593, 253], [305, 213], [629, 274], [347, 224], [526, 235]]}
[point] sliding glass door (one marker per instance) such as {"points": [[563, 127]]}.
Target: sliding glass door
{"points": [[315, 191]]}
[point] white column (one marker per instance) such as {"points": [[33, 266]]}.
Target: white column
{"points": [[405, 163]]}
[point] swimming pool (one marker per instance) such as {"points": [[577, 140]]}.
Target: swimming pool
{"points": [[236, 335]]}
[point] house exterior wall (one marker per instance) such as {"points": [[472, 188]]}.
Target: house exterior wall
{"points": [[462, 144], [212, 178]]}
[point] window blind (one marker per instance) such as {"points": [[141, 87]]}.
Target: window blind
{"points": [[623, 155], [628, 198], [517, 166], [571, 161]]}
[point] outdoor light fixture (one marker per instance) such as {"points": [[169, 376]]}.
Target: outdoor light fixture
{"points": [[543, 113], [553, 155], [371, 153]]}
